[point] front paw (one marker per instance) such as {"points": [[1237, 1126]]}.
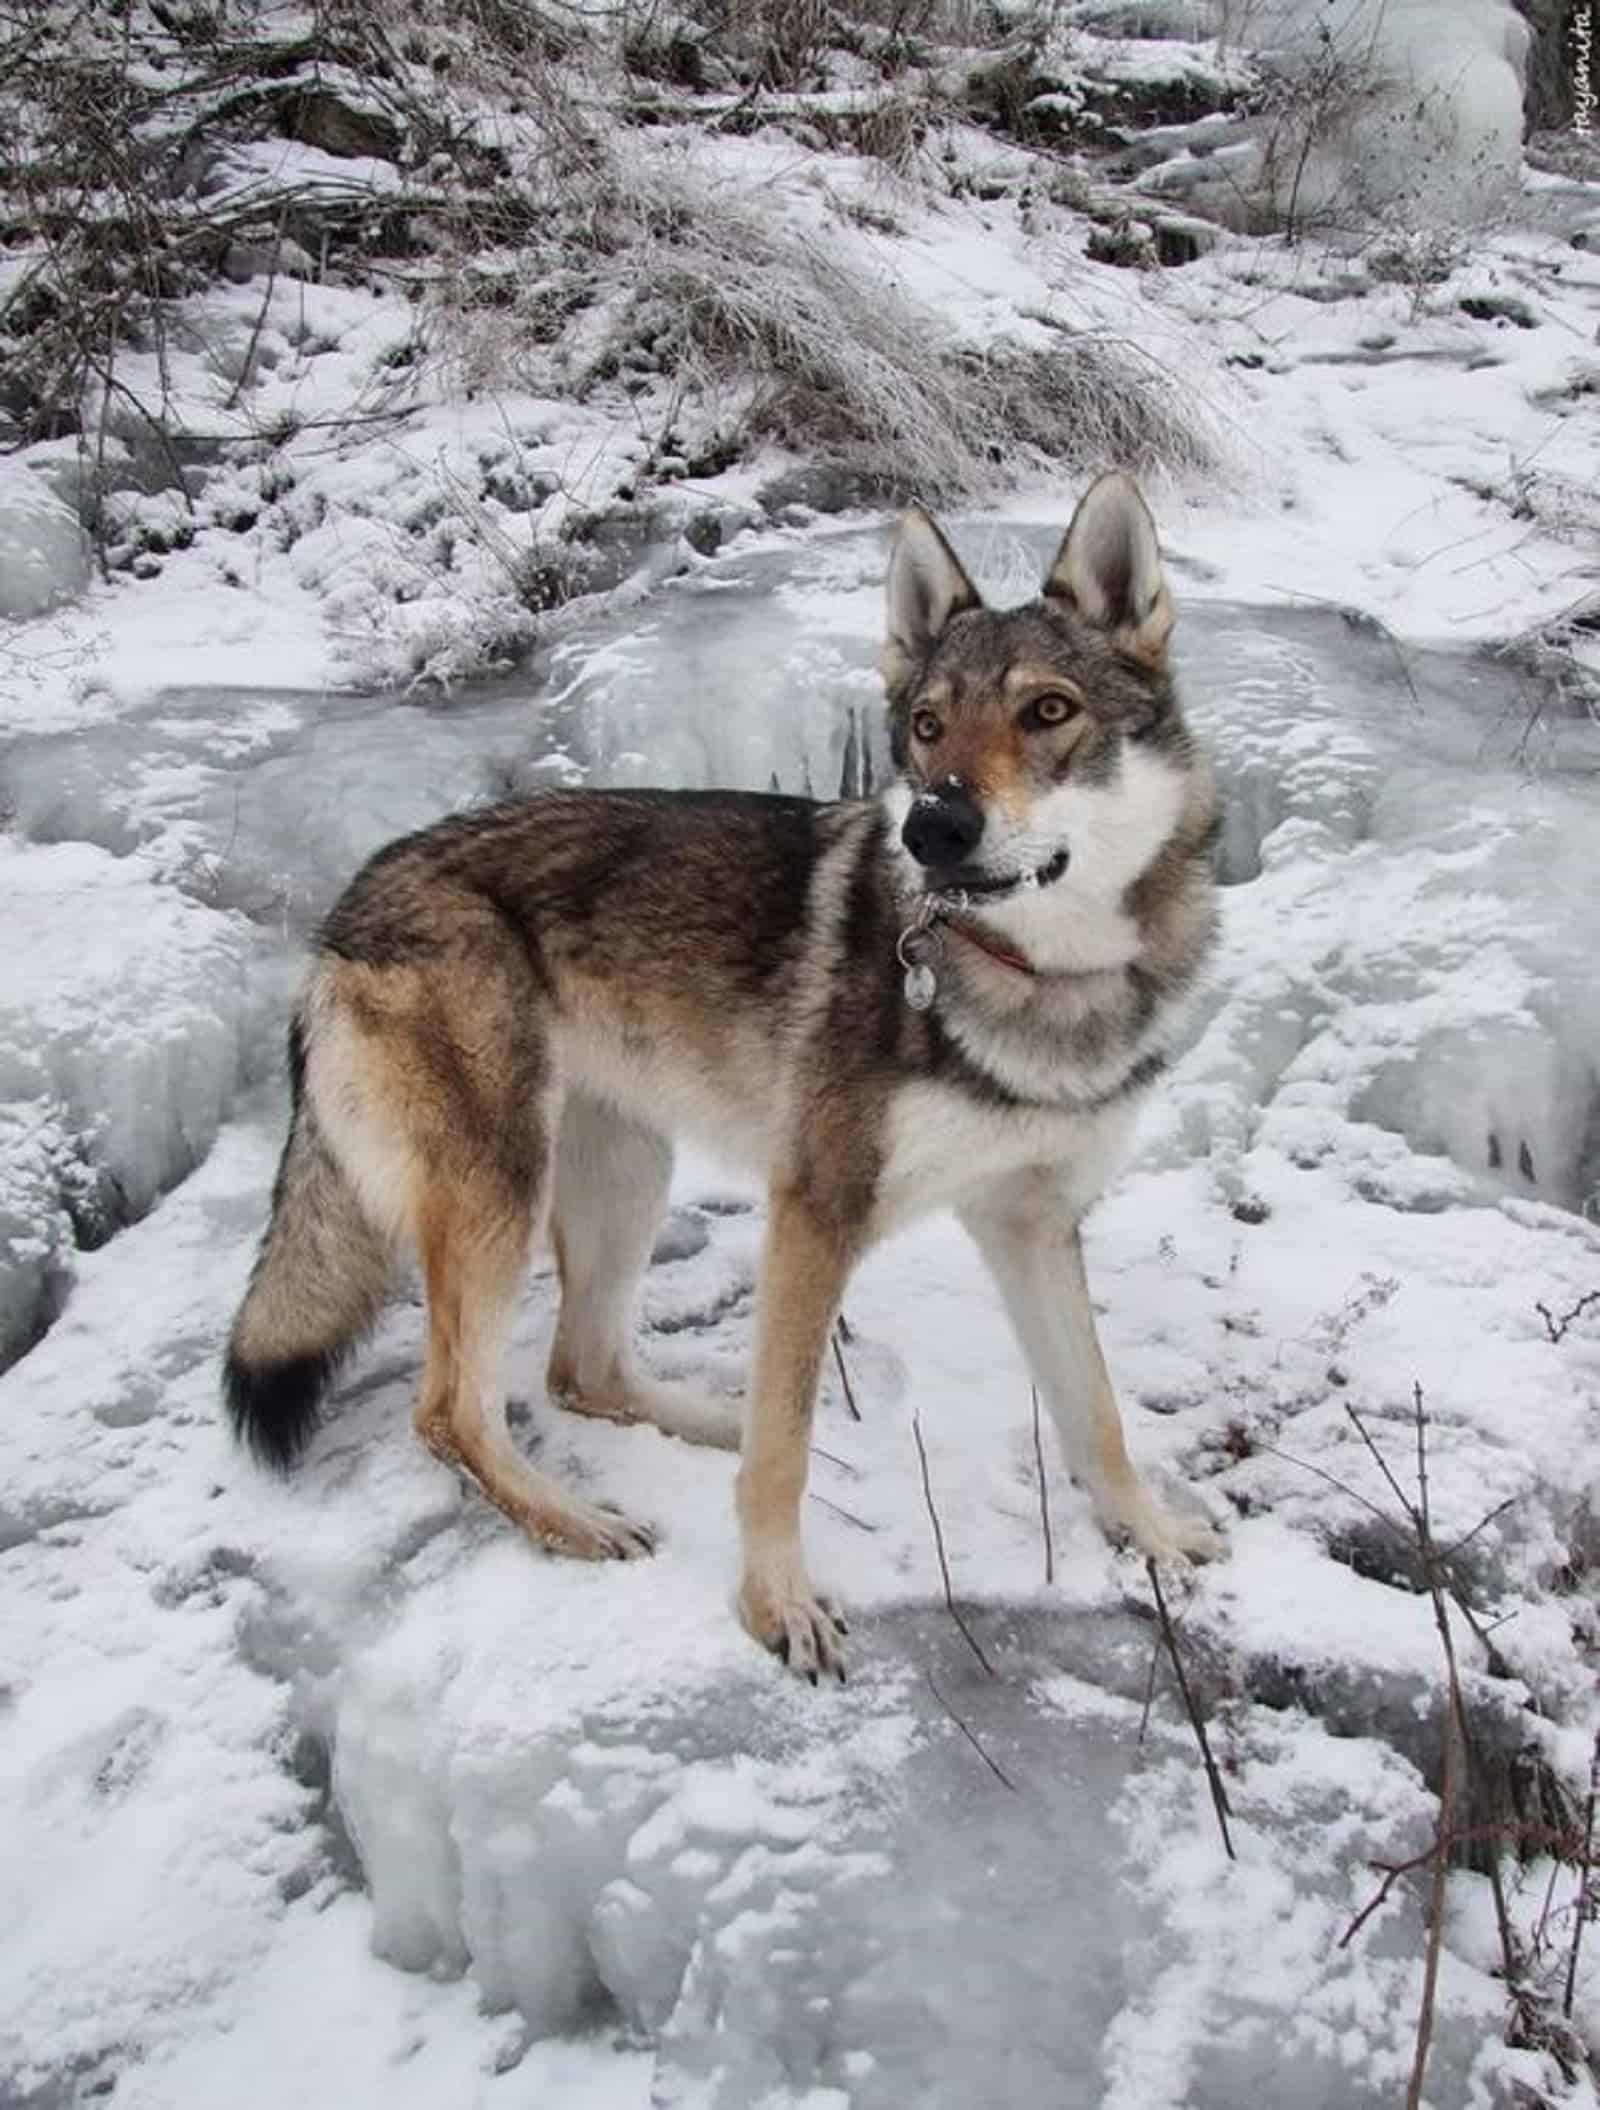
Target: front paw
{"points": [[594, 1531], [1162, 1534], [779, 1608]]}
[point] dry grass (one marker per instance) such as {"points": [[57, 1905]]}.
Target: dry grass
{"points": [[811, 343]]}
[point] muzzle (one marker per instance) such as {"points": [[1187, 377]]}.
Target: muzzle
{"points": [[944, 826]]}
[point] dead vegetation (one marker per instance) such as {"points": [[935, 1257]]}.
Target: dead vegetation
{"points": [[473, 155]]}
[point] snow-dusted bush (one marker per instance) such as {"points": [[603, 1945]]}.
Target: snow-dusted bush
{"points": [[779, 326]]}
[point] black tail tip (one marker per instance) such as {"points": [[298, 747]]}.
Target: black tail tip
{"points": [[273, 1407]]}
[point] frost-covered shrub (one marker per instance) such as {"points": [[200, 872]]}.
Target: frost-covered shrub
{"points": [[812, 343]]}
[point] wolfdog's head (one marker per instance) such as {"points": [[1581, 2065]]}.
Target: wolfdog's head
{"points": [[1028, 738]]}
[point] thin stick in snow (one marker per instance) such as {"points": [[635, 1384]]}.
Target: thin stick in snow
{"points": [[1584, 1866], [994, 1766], [1557, 1328], [1219, 1794], [838, 1510], [1044, 1496], [951, 1607], [839, 1338]]}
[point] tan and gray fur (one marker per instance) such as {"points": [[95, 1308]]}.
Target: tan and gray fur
{"points": [[511, 1014]]}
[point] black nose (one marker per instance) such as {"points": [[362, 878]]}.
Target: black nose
{"points": [[943, 826]]}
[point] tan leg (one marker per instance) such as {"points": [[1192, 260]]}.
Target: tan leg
{"points": [[474, 1250], [612, 1177], [804, 1268], [1031, 1244]]}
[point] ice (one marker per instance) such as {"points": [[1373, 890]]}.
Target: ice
{"points": [[44, 555], [1403, 113], [122, 1026], [472, 1825]]}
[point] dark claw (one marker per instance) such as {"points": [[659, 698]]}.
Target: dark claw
{"points": [[780, 1648], [812, 1676], [839, 1673]]}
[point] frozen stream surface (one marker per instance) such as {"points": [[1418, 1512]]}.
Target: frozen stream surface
{"points": [[334, 1792]]}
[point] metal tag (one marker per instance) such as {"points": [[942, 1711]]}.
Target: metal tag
{"points": [[921, 986]]}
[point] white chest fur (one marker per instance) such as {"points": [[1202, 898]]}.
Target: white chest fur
{"points": [[942, 1146]]}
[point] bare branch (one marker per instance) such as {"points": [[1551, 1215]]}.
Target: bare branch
{"points": [[844, 1374], [994, 1766], [951, 1606], [1585, 1902], [1219, 1794], [1044, 1497], [1557, 1328]]}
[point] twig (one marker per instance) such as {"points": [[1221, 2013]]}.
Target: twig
{"points": [[1456, 1758], [1407, 1507], [1449, 1552], [1044, 1497], [1430, 1961], [849, 1515], [844, 1374], [1530, 1838], [1584, 1866], [1219, 1794], [1549, 1900], [1557, 1328], [944, 1566], [1304, 1465], [994, 1766], [1391, 1871], [1422, 1464], [1481, 1629], [247, 364], [833, 1458]]}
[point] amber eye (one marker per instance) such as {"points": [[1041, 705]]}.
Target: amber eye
{"points": [[926, 727], [1052, 708]]}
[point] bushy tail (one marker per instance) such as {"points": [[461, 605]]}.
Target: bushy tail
{"points": [[318, 1286]]}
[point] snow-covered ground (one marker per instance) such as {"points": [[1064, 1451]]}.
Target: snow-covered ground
{"points": [[339, 1777], [334, 1791], [1404, 424]]}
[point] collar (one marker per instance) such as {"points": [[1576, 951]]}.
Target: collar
{"points": [[1005, 955], [921, 943]]}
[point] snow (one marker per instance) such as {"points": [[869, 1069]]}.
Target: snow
{"points": [[336, 1777], [1439, 130], [535, 1828]]}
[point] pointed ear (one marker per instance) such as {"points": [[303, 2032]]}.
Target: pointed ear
{"points": [[927, 586], [1109, 569]]}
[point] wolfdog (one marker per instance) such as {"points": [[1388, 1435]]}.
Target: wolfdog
{"points": [[955, 994]]}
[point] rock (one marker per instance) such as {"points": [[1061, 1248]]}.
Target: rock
{"points": [[319, 118], [821, 487]]}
